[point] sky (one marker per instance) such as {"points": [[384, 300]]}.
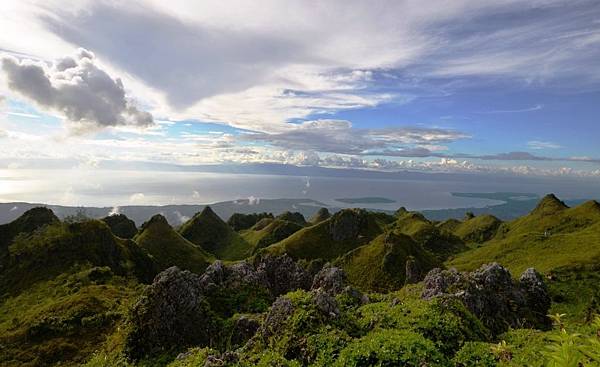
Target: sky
{"points": [[506, 87]]}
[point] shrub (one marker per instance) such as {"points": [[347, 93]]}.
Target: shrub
{"points": [[475, 354], [391, 348]]}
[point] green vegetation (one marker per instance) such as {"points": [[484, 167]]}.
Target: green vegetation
{"points": [[438, 241], [239, 221], [211, 233], [169, 248], [380, 265], [68, 291], [552, 236], [269, 231], [121, 226], [343, 232]]}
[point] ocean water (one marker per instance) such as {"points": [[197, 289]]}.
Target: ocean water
{"points": [[119, 187]]}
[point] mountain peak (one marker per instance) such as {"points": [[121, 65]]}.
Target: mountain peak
{"points": [[321, 215], [549, 204], [208, 211]]}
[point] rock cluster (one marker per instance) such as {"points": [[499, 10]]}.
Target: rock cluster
{"points": [[493, 296], [175, 311]]}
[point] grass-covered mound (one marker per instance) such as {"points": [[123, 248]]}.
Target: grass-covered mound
{"points": [[211, 233], [169, 248], [552, 236], [438, 241], [343, 232], [54, 249], [294, 217], [240, 221], [264, 235], [30, 221], [63, 321], [381, 265], [121, 226], [474, 229]]}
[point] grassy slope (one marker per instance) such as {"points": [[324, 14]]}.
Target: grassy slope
{"points": [[438, 241], [551, 237], [64, 320], [46, 254], [211, 233], [169, 248], [275, 231], [478, 229], [316, 242], [381, 264]]}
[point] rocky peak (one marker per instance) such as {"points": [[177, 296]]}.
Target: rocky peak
{"points": [[321, 215], [347, 224], [549, 205], [493, 296]]}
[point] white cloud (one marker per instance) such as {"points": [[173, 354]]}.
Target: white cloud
{"points": [[137, 198], [338, 136], [539, 145], [258, 67], [76, 87]]}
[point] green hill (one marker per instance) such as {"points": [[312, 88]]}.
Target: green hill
{"points": [[551, 236], [476, 229], [380, 265], [58, 247], [240, 221], [438, 241], [27, 223], [121, 226], [169, 248], [212, 234], [321, 215], [343, 232], [294, 217], [260, 236]]}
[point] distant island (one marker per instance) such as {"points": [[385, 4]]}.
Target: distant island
{"points": [[366, 200]]}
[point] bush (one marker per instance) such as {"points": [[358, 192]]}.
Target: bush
{"points": [[391, 348], [475, 354]]}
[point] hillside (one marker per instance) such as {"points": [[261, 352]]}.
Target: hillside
{"points": [[208, 231], [169, 248], [550, 237], [387, 263], [27, 223], [343, 232], [269, 231], [75, 294], [436, 240], [473, 229]]}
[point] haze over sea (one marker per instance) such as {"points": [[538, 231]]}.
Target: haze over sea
{"points": [[126, 187]]}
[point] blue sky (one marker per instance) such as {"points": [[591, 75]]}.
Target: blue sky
{"points": [[494, 87]]}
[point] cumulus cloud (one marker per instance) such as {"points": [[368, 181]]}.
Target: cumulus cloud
{"points": [[77, 88], [338, 136]]}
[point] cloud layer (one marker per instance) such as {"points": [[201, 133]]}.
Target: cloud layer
{"points": [[77, 88]]}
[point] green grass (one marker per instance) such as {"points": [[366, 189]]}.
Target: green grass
{"points": [[317, 242], [380, 265], [273, 232], [49, 252], [169, 248], [438, 241], [64, 319], [550, 237], [211, 233]]}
